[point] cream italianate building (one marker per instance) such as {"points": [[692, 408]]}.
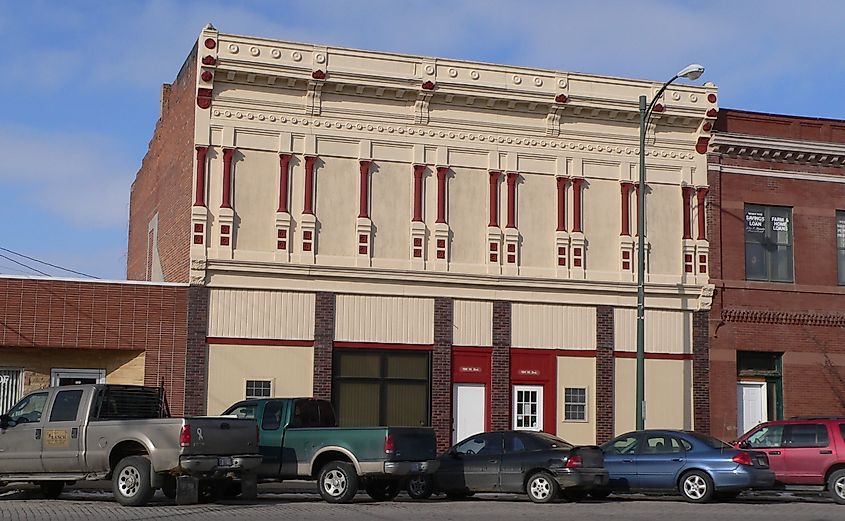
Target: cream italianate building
{"points": [[430, 241]]}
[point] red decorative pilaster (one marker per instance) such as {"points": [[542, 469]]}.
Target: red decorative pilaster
{"points": [[308, 207], [686, 193], [284, 162], [494, 198], [228, 155], [512, 179], [442, 172], [562, 182], [577, 183], [701, 195], [364, 206], [199, 199], [418, 187], [626, 211]]}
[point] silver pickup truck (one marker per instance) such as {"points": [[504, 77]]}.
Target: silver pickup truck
{"points": [[123, 433]]}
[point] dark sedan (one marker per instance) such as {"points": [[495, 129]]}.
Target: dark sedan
{"points": [[697, 466], [533, 463]]}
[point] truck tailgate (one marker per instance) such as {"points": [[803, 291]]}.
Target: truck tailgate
{"points": [[412, 444], [224, 436]]}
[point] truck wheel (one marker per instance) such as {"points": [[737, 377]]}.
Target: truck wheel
{"points": [[338, 482], [420, 487], [542, 488], [51, 489], [383, 489], [131, 481], [836, 486]]}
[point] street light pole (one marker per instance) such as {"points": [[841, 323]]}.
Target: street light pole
{"points": [[692, 72]]}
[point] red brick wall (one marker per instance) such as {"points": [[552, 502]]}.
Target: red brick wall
{"points": [[324, 317], [500, 417], [441, 372], [701, 371], [604, 373], [48, 313], [163, 184], [804, 320]]}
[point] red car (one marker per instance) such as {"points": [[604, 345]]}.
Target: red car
{"points": [[803, 451]]}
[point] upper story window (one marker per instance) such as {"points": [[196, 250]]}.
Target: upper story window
{"points": [[840, 245], [768, 243]]}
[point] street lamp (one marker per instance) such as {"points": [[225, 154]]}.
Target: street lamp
{"points": [[691, 72]]}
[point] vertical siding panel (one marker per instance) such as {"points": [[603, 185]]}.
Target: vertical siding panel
{"points": [[554, 326], [237, 313], [384, 319]]}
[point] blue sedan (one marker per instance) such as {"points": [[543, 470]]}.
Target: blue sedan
{"points": [[697, 466]]}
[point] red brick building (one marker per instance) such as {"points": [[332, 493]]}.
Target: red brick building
{"points": [[59, 331], [777, 207]]}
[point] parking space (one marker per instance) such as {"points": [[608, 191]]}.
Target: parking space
{"points": [[299, 501]]}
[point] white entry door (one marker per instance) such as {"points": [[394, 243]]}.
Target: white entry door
{"points": [[469, 409], [750, 405], [60, 377], [528, 407]]}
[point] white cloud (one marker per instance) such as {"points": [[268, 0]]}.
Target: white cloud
{"points": [[82, 178]]}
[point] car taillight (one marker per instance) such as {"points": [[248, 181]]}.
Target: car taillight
{"points": [[743, 458], [388, 444], [185, 436], [574, 462]]}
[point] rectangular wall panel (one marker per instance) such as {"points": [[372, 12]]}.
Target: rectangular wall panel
{"points": [[396, 320], [248, 313], [473, 323], [665, 331], [554, 326]]}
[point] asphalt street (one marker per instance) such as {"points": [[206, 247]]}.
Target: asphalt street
{"points": [[93, 505]]}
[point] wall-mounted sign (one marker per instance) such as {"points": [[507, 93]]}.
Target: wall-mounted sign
{"points": [[529, 372], [467, 369]]}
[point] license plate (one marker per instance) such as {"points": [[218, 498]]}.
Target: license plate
{"points": [[224, 462], [416, 467]]}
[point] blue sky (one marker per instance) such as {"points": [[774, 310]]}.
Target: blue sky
{"points": [[81, 80]]}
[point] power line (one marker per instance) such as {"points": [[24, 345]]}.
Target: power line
{"points": [[24, 265], [46, 263]]}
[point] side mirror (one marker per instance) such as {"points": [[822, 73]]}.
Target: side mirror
{"points": [[6, 422], [454, 454]]}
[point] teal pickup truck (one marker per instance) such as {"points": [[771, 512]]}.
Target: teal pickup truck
{"points": [[299, 440]]}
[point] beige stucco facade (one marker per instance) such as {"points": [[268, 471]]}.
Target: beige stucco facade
{"points": [[481, 183]]}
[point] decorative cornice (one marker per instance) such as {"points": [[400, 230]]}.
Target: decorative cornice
{"points": [[275, 62], [779, 150], [784, 318]]}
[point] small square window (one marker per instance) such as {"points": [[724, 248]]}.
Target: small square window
{"points": [[575, 404], [258, 389]]}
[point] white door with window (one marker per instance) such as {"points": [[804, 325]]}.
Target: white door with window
{"points": [[11, 387], [751, 401], [59, 377], [528, 407], [469, 409]]}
